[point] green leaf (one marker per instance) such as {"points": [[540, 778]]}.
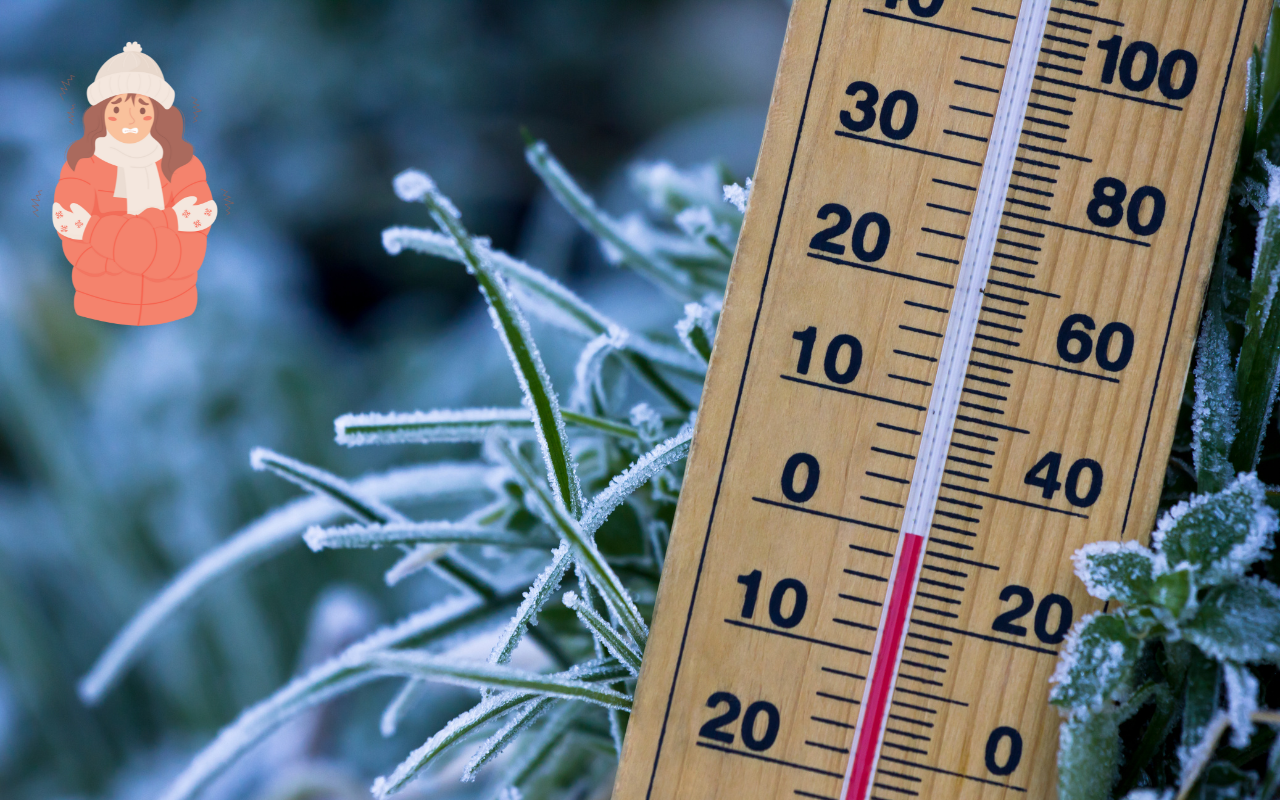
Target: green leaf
{"points": [[1220, 534], [495, 744], [1203, 685], [1238, 622], [539, 395], [1217, 410], [1223, 780], [649, 264], [316, 480], [534, 754], [464, 724], [551, 302], [412, 664], [1271, 780], [1096, 666], [1258, 370], [1088, 755], [1121, 571], [415, 533], [1268, 121], [613, 640], [341, 674], [264, 538], [586, 555], [469, 425]]}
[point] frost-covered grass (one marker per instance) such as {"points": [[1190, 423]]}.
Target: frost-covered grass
{"points": [[1166, 695], [580, 489]]}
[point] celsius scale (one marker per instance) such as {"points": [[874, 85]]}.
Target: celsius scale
{"points": [[952, 352]]}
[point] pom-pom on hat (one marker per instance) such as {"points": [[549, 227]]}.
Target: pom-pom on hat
{"points": [[127, 72]]}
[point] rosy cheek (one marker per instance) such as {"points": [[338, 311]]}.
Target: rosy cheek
{"points": [[146, 118], [113, 119]]}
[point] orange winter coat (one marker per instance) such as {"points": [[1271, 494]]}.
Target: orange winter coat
{"points": [[132, 270]]}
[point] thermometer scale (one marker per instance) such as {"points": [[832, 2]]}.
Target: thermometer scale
{"points": [[952, 352]]}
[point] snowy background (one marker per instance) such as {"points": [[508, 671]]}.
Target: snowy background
{"points": [[124, 453]]}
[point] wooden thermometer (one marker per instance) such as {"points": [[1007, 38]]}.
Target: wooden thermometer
{"points": [[953, 352]]}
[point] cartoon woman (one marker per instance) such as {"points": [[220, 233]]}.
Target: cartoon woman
{"points": [[132, 205]]}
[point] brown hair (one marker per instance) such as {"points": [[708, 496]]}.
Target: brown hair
{"points": [[167, 130]]}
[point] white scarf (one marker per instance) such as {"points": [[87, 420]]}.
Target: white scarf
{"points": [[137, 176]]}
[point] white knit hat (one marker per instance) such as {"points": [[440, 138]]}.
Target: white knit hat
{"points": [[130, 71]]}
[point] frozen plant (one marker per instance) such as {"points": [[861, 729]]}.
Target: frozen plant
{"points": [[581, 491]]}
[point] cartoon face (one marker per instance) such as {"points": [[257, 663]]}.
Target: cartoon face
{"points": [[129, 119]]}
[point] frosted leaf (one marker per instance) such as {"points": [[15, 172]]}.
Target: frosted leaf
{"points": [[617, 643], [399, 706], [539, 593], [1088, 755], [700, 224], [586, 373], [458, 728], [738, 196], [1197, 758], [697, 330], [1116, 571], [1216, 414], [417, 533], [647, 421], [635, 476], [495, 744], [668, 190], [1242, 702], [1238, 622], [424, 427], [1218, 535], [412, 663], [413, 185], [1095, 668], [536, 748], [336, 676], [263, 538], [324, 483], [1151, 794], [615, 239]]}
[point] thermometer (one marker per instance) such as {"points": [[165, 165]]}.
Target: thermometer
{"points": [[952, 352]]}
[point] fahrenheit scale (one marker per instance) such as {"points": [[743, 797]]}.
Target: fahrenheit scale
{"points": [[952, 352]]}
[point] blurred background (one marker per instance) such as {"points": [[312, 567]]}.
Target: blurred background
{"points": [[124, 452]]}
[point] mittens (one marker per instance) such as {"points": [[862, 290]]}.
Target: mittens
{"points": [[70, 223], [194, 217]]}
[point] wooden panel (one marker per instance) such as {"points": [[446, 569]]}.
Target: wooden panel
{"points": [[782, 390]]}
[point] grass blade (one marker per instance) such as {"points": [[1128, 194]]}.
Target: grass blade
{"points": [[458, 729], [1258, 370], [635, 476], [414, 664], [341, 674], [621, 649], [263, 539], [471, 425], [399, 706], [534, 754], [416, 533], [651, 265], [495, 744], [587, 557], [539, 395], [546, 298], [537, 596], [321, 482]]}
